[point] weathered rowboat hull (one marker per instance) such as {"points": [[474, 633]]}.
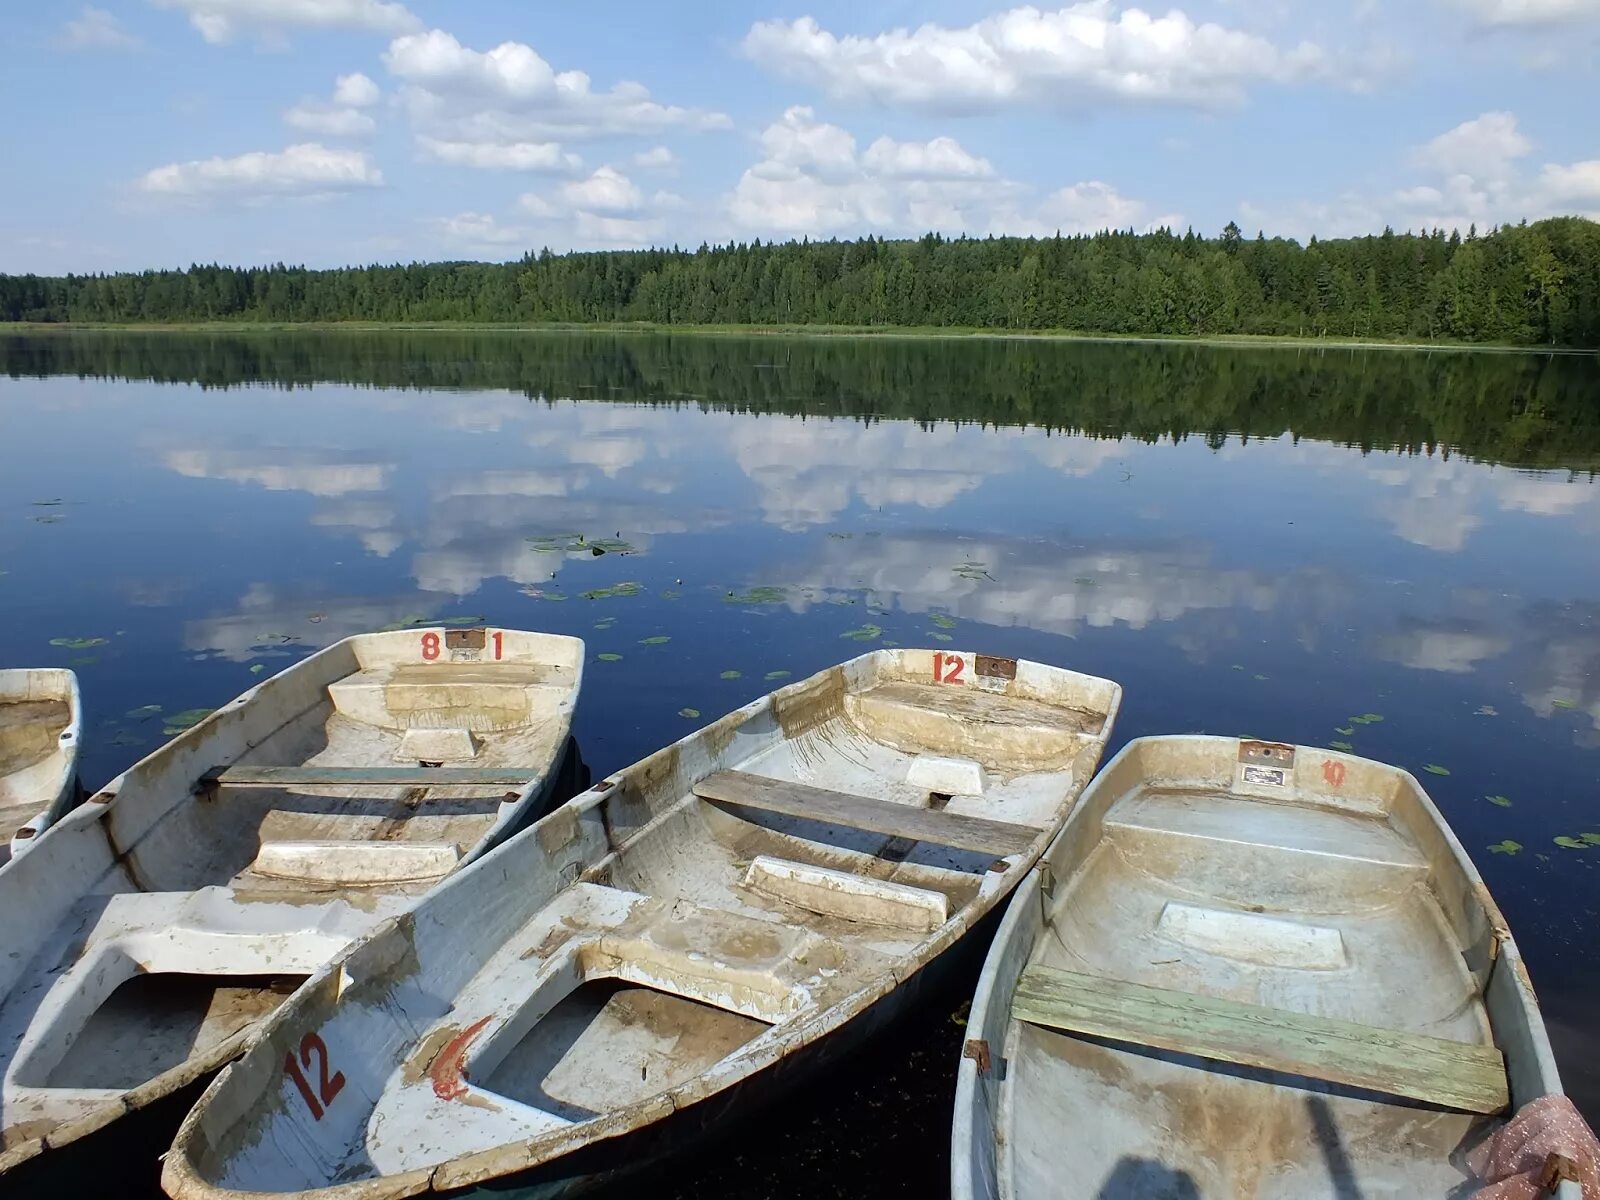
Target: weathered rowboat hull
{"points": [[1245, 970], [192, 894], [41, 728], [719, 915]]}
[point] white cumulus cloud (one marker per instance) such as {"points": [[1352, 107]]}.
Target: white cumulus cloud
{"points": [[812, 180], [342, 116], [500, 156], [1076, 56], [1531, 12], [608, 190], [657, 158], [96, 29], [307, 169], [1486, 146], [222, 20], [355, 91]]}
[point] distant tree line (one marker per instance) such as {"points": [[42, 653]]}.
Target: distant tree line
{"points": [[1533, 284], [1522, 409]]}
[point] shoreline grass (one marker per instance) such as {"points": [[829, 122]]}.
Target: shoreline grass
{"points": [[936, 333]]}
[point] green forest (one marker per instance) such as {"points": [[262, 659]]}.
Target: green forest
{"points": [[1536, 285], [1525, 410]]}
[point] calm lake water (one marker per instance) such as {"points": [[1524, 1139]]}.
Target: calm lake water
{"points": [[1266, 542]]}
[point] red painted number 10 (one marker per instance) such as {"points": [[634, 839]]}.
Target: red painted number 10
{"points": [[947, 667], [328, 1086]]}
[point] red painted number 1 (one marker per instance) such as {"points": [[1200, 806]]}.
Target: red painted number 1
{"points": [[947, 667], [499, 645], [328, 1086]]}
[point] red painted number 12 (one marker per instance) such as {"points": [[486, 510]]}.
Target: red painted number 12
{"points": [[947, 667], [328, 1086]]}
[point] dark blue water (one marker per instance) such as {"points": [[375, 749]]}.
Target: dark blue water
{"points": [[1263, 542]]}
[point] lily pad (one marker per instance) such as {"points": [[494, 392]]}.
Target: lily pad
{"points": [[626, 588], [606, 623], [1436, 769], [1589, 839], [608, 656], [1563, 703], [610, 546], [770, 676], [1341, 745], [1486, 710], [941, 637], [550, 594], [690, 713], [660, 639], [1505, 847], [187, 719], [765, 594], [79, 643], [973, 570], [1571, 843], [1366, 719], [1499, 801], [1347, 730], [867, 633], [257, 668], [144, 713], [731, 675], [941, 621]]}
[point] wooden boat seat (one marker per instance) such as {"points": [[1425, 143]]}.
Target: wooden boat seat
{"points": [[1457, 1075], [989, 726], [479, 696], [342, 863], [942, 828], [251, 776]]}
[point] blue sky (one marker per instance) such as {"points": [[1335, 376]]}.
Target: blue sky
{"points": [[161, 132]]}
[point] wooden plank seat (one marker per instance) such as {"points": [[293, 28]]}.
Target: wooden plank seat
{"points": [[957, 830], [426, 777], [1458, 1075]]}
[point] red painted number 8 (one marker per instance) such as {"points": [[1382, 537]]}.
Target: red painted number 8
{"points": [[430, 646]]}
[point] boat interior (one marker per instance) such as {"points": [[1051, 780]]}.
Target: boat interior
{"points": [[684, 923], [1254, 970], [38, 746], [188, 898]]}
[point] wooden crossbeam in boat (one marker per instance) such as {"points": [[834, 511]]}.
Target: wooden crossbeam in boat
{"points": [[1459, 1075], [942, 828], [428, 777]]}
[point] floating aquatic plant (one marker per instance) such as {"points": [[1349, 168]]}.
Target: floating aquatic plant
{"points": [[689, 713], [1436, 769], [867, 633], [766, 594], [941, 621], [608, 656], [1499, 801], [659, 639], [80, 643], [731, 675], [770, 676], [1505, 847]]}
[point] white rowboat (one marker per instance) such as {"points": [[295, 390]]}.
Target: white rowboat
{"points": [[1245, 970], [157, 923], [610, 980]]}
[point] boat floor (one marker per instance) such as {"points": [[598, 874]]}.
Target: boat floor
{"points": [[320, 836], [607, 999], [141, 986], [30, 732], [1294, 907]]}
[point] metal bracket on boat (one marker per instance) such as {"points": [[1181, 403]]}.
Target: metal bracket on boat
{"points": [[1047, 882], [466, 639], [977, 1049]]}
